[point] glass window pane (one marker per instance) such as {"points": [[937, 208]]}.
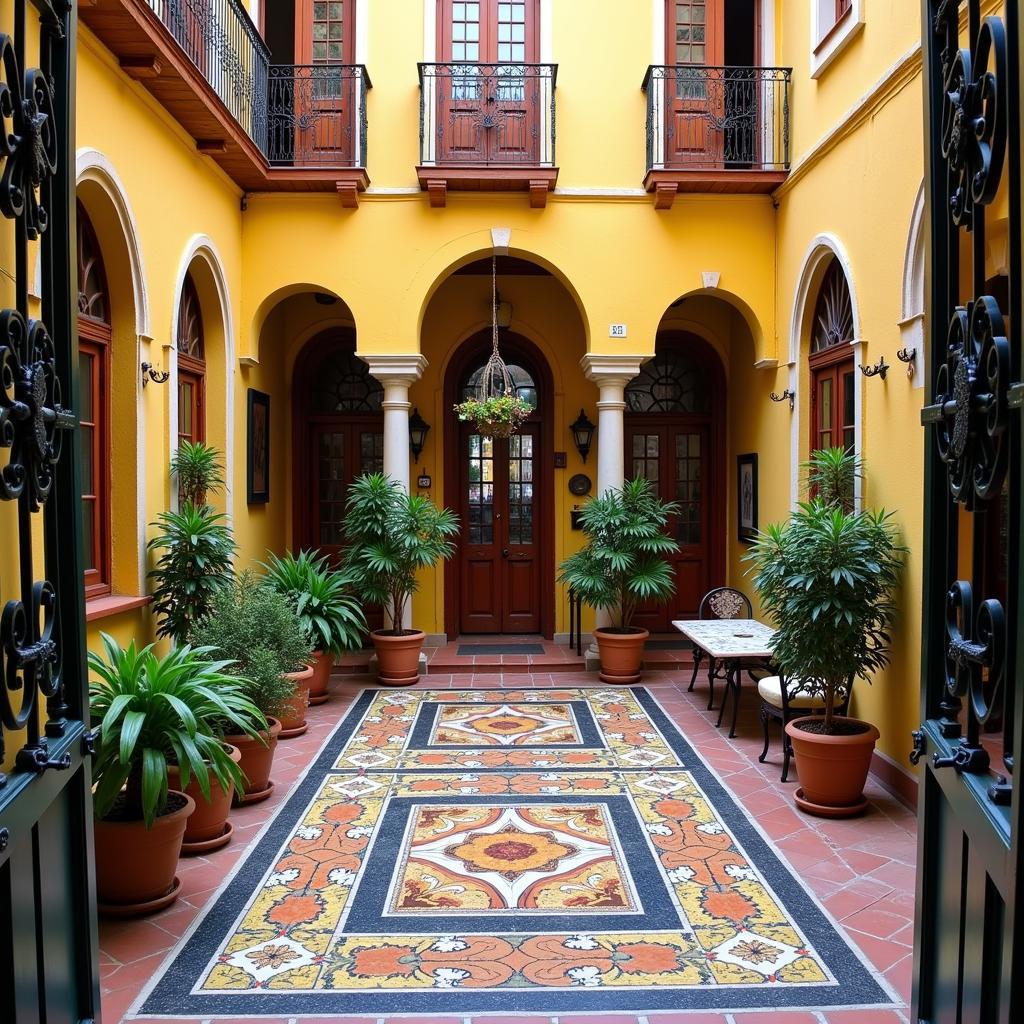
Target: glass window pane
{"points": [[88, 435], [89, 534], [86, 368]]}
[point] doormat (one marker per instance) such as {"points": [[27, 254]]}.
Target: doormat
{"points": [[682, 644], [546, 851], [464, 650]]}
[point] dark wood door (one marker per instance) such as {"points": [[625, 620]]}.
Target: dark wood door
{"points": [[488, 102], [501, 552], [969, 935], [48, 938], [696, 90], [676, 458]]}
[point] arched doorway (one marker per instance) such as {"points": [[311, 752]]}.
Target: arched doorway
{"points": [[501, 579], [675, 438], [338, 433]]}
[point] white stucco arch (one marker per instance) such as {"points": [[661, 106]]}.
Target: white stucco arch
{"points": [[912, 311], [822, 248]]}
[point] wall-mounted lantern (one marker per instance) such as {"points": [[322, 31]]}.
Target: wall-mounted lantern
{"points": [[582, 434], [418, 430]]}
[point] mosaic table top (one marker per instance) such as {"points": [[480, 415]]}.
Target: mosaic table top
{"points": [[728, 638]]}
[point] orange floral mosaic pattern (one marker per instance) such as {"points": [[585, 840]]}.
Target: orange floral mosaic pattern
{"points": [[505, 725]]}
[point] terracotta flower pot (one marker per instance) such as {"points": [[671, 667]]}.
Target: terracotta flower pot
{"points": [[323, 662], [257, 757], [832, 769], [135, 865], [622, 655], [398, 657], [293, 714], [208, 827]]}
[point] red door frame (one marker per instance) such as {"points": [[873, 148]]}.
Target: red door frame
{"points": [[520, 349]]}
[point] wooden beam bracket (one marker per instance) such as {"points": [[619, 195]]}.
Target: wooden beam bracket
{"points": [[539, 193], [141, 68], [348, 193], [665, 195], [437, 189]]}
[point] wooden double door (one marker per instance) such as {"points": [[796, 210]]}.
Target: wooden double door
{"points": [[675, 455], [500, 562]]}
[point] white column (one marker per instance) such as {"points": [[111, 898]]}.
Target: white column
{"points": [[611, 373], [397, 373]]}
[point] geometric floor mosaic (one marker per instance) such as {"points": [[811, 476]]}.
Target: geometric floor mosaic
{"points": [[534, 850]]}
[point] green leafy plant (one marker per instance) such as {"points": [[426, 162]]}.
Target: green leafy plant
{"points": [[153, 710], [832, 475], [497, 416], [199, 471], [623, 563], [826, 577], [196, 552], [391, 535], [256, 628], [331, 615]]}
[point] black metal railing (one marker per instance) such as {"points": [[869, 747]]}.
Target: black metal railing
{"points": [[316, 115], [717, 118], [487, 114]]}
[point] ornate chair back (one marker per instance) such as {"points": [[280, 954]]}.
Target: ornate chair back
{"points": [[725, 603]]}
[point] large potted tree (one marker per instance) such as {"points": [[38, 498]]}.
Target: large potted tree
{"points": [[258, 632], [622, 565], [153, 714], [826, 578], [392, 535], [329, 612]]}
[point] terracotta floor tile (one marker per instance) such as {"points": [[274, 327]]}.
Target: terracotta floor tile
{"points": [[684, 1018], [863, 1017], [776, 1017]]}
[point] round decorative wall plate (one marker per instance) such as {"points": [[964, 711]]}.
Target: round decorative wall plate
{"points": [[579, 484]]}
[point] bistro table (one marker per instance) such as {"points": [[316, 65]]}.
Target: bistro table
{"points": [[738, 644]]}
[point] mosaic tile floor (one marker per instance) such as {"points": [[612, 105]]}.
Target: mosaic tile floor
{"points": [[551, 850]]}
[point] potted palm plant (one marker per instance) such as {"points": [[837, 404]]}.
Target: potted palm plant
{"points": [[256, 629], [826, 577], [331, 615], [153, 714], [199, 471], [622, 565], [391, 536]]}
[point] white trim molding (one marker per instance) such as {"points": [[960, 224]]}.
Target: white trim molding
{"points": [[911, 322], [362, 48], [429, 31], [828, 37]]}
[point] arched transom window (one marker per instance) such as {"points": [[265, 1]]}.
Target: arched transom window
{"points": [[833, 312], [339, 381], [670, 382], [523, 384], [191, 347], [832, 370]]}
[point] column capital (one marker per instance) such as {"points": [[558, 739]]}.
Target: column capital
{"points": [[403, 369], [611, 368]]}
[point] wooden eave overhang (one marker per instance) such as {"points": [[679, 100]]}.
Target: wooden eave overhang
{"points": [[666, 184], [438, 181]]}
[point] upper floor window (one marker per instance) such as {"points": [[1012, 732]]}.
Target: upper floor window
{"points": [[94, 337], [489, 31], [191, 347], [834, 24]]}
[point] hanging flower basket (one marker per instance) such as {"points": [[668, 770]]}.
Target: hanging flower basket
{"points": [[497, 416]]}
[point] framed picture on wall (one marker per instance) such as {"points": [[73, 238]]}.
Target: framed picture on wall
{"points": [[746, 496], [258, 448]]}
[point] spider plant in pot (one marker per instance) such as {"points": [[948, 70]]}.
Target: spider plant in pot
{"points": [[328, 610], [623, 565], [826, 577], [156, 719], [392, 536], [257, 630], [199, 471]]}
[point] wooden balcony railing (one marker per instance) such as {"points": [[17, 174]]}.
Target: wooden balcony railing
{"points": [[487, 126], [716, 129]]}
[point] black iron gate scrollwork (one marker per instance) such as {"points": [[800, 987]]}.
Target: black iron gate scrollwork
{"points": [[969, 802], [47, 905]]}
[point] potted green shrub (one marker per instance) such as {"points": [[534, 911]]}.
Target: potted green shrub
{"points": [[257, 630], [331, 615], [826, 578], [391, 536], [622, 565], [496, 416], [196, 551], [153, 714], [199, 471]]}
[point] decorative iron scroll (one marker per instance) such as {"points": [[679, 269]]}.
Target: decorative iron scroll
{"points": [[976, 655]]}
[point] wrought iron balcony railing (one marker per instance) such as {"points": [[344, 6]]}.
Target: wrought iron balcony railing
{"points": [[717, 118], [317, 115], [487, 115]]}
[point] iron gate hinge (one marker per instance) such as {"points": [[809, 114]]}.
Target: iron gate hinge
{"points": [[1015, 396], [89, 742], [5, 838], [920, 747], [972, 760], [34, 759]]}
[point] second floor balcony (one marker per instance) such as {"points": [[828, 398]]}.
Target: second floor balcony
{"points": [[716, 129], [487, 127]]}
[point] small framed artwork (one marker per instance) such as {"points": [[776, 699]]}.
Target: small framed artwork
{"points": [[258, 448], [746, 496]]}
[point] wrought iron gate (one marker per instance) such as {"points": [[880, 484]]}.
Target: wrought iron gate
{"points": [[969, 929], [48, 971]]}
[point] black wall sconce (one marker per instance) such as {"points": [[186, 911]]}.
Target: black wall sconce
{"points": [[907, 355], [789, 394], [418, 430], [582, 434], [880, 369], [151, 373]]}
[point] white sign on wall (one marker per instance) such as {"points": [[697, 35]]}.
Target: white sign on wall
{"points": [[617, 331]]}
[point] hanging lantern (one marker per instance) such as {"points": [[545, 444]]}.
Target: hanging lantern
{"points": [[496, 408]]}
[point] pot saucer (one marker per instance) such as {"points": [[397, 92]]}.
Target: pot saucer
{"points": [[139, 909], [243, 799], [207, 845], [828, 811], [399, 680], [322, 699], [287, 734], [619, 680]]}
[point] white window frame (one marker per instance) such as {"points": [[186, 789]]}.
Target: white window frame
{"points": [[828, 39]]}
